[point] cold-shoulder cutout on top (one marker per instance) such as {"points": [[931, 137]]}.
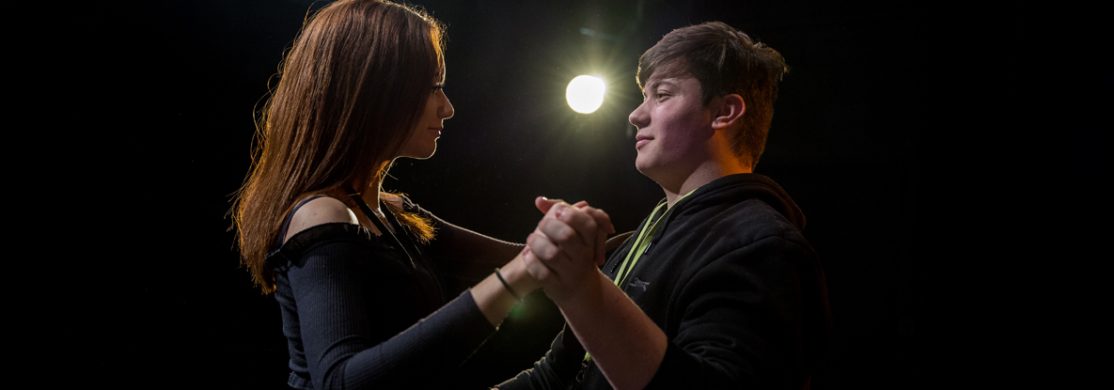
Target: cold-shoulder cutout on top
{"points": [[318, 210]]}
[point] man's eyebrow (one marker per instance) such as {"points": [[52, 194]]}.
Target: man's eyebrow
{"points": [[654, 83]]}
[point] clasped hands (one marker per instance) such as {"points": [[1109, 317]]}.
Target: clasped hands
{"points": [[567, 248]]}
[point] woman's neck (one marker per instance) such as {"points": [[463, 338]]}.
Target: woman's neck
{"points": [[371, 196], [370, 191]]}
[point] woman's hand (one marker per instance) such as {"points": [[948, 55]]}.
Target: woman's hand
{"points": [[566, 249]]}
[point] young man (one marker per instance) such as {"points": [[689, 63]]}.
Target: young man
{"points": [[717, 288]]}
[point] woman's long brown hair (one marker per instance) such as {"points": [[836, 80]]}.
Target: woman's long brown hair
{"points": [[350, 89]]}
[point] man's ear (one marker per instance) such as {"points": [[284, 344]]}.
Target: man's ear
{"points": [[729, 112]]}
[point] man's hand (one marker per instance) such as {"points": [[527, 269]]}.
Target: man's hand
{"points": [[566, 249]]}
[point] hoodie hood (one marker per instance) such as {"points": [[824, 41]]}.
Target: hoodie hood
{"points": [[743, 186]]}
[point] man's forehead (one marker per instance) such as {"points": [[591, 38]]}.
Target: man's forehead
{"points": [[676, 68]]}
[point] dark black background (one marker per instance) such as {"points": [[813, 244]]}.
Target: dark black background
{"points": [[865, 137]]}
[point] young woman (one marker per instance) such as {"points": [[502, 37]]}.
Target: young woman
{"points": [[363, 296]]}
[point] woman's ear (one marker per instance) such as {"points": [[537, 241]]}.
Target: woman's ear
{"points": [[730, 111]]}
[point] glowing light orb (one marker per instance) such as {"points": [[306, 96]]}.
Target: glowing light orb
{"points": [[585, 93]]}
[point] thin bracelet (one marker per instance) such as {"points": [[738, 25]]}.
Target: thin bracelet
{"points": [[506, 285]]}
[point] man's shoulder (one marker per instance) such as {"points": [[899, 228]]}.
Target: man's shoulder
{"points": [[741, 232], [751, 218]]}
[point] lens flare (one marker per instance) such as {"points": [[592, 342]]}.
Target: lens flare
{"points": [[585, 93]]}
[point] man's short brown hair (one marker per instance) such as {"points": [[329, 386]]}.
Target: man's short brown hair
{"points": [[724, 61]]}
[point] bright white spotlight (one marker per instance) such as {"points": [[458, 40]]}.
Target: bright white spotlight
{"points": [[585, 93]]}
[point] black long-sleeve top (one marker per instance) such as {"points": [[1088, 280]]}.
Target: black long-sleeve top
{"points": [[357, 313], [734, 285]]}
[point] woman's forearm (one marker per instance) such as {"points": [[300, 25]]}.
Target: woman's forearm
{"points": [[495, 299], [470, 251]]}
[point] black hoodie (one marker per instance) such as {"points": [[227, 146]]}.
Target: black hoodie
{"points": [[734, 285]]}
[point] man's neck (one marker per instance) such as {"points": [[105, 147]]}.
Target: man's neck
{"points": [[703, 174]]}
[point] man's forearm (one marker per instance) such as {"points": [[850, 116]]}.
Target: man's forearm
{"points": [[625, 343]]}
